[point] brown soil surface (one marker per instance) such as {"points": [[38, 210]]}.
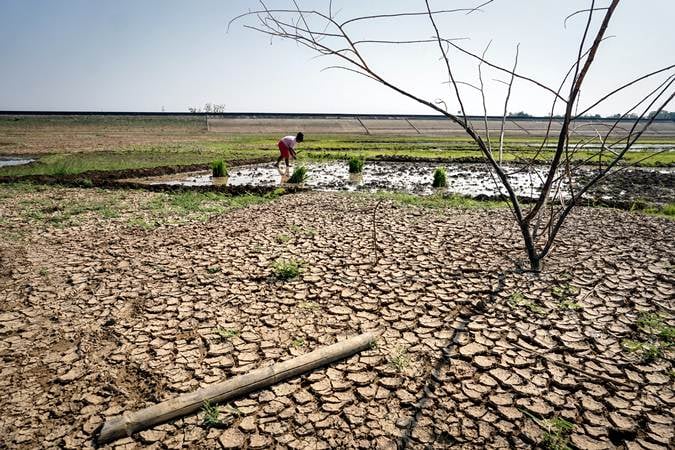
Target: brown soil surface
{"points": [[99, 317], [41, 137]]}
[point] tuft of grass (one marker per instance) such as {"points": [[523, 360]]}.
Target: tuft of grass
{"points": [[356, 164], [211, 414], [399, 360], [556, 431], [213, 269], [298, 342], [440, 178], [226, 333], [299, 175], [286, 269], [219, 169], [43, 272]]}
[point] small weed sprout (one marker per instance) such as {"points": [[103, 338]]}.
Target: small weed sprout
{"points": [[43, 272], [298, 342], [213, 269], [565, 295], [283, 238], [440, 178], [233, 410], [299, 175], [286, 269], [660, 337], [399, 360], [219, 169], [308, 305], [518, 299], [356, 164], [211, 414], [226, 333]]}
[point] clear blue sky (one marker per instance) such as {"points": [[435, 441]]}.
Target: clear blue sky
{"points": [[145, 55]]}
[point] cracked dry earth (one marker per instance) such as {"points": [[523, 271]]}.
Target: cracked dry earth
{"points": [[473, 354]]}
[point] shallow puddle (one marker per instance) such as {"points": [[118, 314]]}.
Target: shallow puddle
{"points": [[463, 179], [14, 161]]}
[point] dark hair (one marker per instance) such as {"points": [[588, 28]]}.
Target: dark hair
{"points": [[300, 137]]}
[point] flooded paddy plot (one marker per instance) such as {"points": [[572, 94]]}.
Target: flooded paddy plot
{"points": [[657, 185]]}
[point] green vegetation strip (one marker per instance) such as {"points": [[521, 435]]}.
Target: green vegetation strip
{"points": [[231, 147]]}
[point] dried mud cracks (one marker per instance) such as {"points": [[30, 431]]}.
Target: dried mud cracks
{"points": [[126, 317]]}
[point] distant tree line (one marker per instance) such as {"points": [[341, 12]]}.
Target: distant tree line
{"points": [[208, 108], [659, 115]]}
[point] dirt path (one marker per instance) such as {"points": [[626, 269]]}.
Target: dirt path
{"points": [[101, 317]]}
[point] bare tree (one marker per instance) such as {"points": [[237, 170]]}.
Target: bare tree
{"points": [[561, 189]]}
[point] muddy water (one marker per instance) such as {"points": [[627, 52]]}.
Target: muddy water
{"points": [[14, 161], [465, 179]]}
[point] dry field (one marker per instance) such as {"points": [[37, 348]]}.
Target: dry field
{"points": [[114, 300]]}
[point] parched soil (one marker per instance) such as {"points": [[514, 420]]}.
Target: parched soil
{"points": [[100, 317], [44, 135]]}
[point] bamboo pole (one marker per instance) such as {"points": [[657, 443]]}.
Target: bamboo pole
{"points": [[131, 422]]}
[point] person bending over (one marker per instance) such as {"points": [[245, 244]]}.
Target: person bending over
{"points": [[287, 146]]}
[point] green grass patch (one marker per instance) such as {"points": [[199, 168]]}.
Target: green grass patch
{"points": [[186, 206], [656, 337], [667, 211]]}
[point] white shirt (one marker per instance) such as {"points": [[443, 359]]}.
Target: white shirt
{"points": [[289, 141]]}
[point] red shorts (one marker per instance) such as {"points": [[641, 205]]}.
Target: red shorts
{"points": [[285, 151]]}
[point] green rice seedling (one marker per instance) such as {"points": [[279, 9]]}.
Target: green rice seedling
{"points": [[286, 270], [440, 178], [299, 175], [219, 169], [356, 164]]}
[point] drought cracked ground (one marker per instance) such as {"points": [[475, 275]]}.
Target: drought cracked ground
{"points": [[113, 309]]}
